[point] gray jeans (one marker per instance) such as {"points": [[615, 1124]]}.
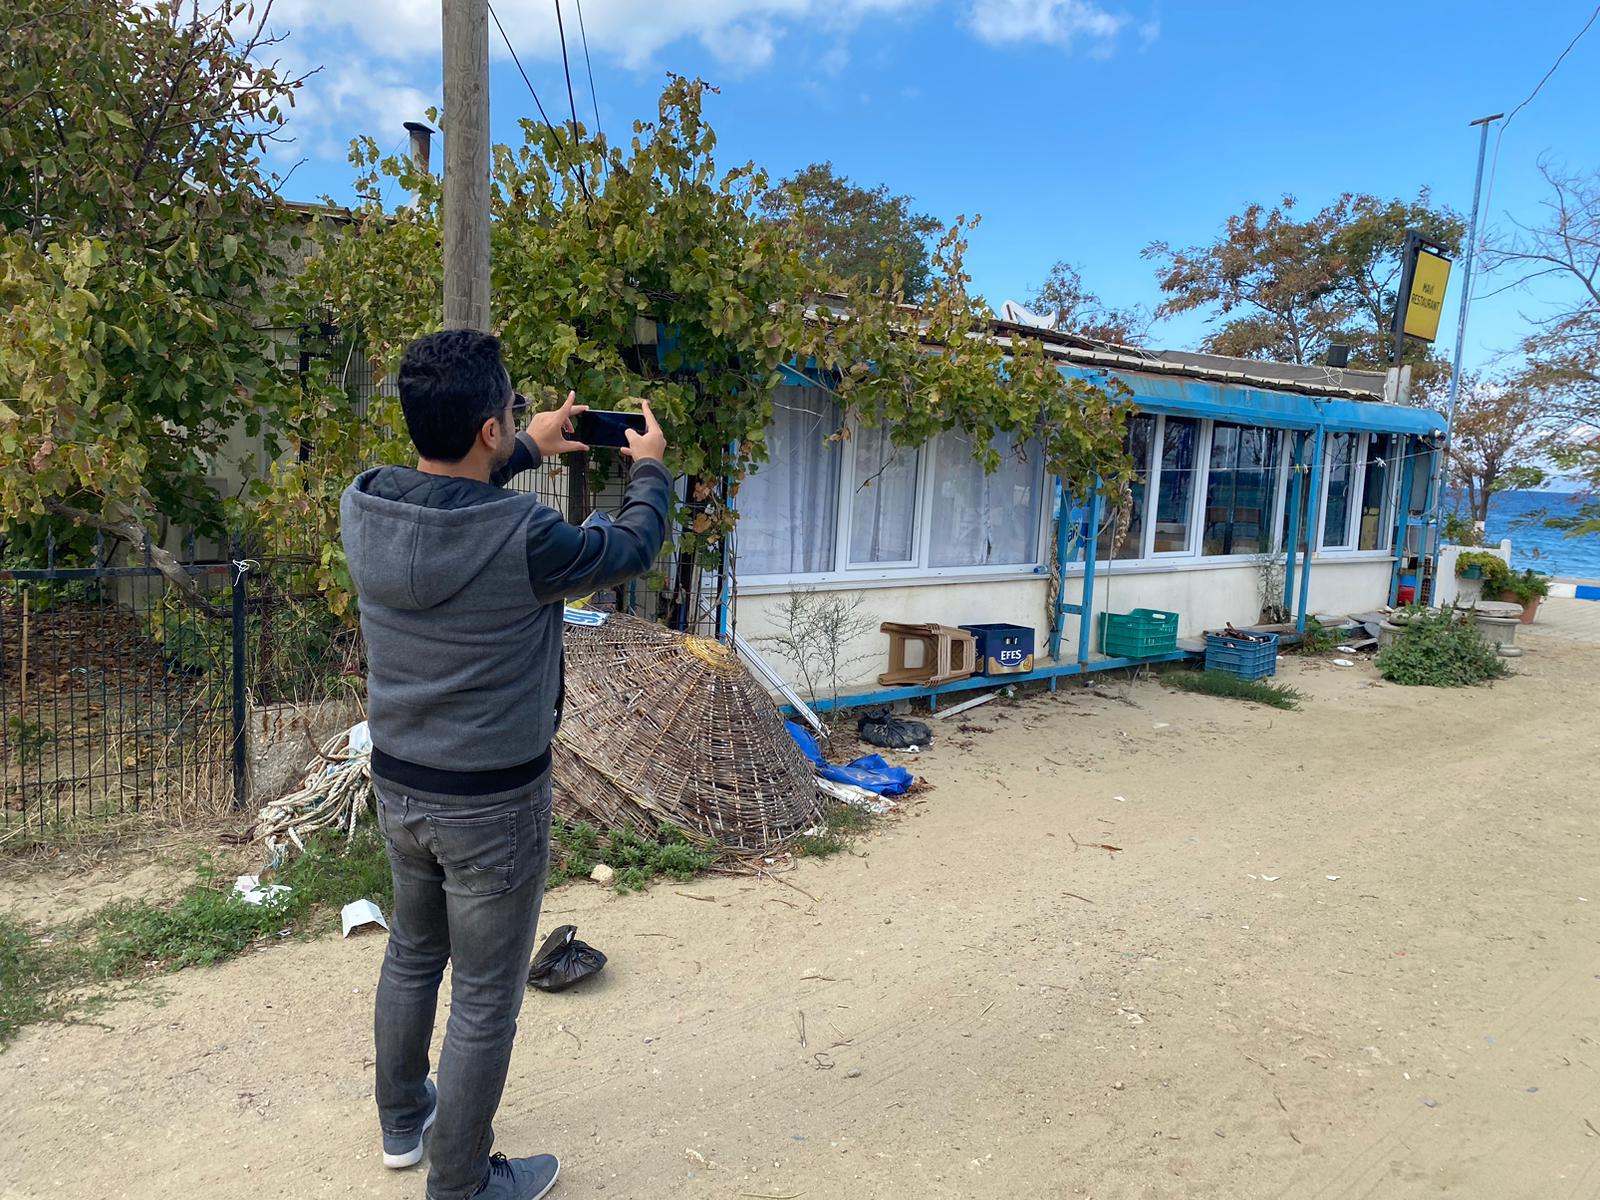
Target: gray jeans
{"points": [[469, 874]]}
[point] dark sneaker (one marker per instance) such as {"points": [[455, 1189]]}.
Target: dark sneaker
{"points": [[518, 1178], [401, 1150]]}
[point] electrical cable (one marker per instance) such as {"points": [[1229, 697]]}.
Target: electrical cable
{"points": [[539, 104], [589, 66], [566, 65]]}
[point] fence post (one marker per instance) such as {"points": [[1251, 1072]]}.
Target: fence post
{"points": [[241, 770]]}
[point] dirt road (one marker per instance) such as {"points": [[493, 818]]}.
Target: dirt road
{"points": [[1352, 951]]}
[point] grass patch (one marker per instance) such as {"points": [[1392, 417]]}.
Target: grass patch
{"points": [[842, 825], [1318, 641], [48, 974], [577, 848], [1216, 683]]}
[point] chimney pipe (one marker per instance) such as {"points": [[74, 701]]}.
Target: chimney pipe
{"points": [[421, 144]]}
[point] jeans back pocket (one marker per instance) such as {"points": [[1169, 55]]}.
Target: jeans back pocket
{"points": [[478, 854]]}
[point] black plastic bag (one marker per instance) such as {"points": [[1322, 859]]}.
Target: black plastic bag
{"points": [[880, 727], [563, 960]]}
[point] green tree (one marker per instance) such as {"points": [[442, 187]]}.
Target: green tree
{"points": [[670, 240], [1286, 288], [137, 247], [861, 236], [1078, 310]]}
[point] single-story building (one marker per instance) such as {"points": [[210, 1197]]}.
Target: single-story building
{"points": [[1264, 491]]}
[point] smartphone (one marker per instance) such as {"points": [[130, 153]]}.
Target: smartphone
{"points": [[600, 428]]}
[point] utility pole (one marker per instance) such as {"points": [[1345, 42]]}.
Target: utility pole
{"points": [[1483, 124], [466, 164]]}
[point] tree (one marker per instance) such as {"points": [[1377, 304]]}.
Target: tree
{"points": [[1563, 351], [862, 236], [670, 240], [1078, 310], [1289, 288], [137, 248], [1498, 442]]}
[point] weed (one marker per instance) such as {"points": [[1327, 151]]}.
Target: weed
{"points": [[1218, 683], [577, 848], [1318, 640], [30, 979], [842, 824], [1440, 650]]}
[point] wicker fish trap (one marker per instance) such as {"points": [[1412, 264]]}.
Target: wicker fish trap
{"points": [[661, 728]]}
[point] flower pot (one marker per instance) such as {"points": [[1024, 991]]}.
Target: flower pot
{"points": [[1388, 631], [1468, 589], [1472, 573], [1528, 610], [1497, 631]]}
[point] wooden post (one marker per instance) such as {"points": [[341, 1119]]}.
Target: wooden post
{"points": [[466, 164]]}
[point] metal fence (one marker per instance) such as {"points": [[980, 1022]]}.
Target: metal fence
{"points": [[117, 696]]}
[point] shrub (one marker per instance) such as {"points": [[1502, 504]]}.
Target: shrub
{"points": [[1439, 650], [1526, 587]]}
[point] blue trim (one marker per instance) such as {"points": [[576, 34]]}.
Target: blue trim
{"points": [[1247, 405], [1062, 538], [1091, 552], [1402, 519], [975, 682], [1313, 520], [1297, 484]]}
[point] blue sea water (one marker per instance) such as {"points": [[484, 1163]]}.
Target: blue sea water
{"points": [[1519, 516]]}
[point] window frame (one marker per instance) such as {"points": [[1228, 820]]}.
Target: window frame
{"points": [[916, 569], [1350, 547], [845, 573]]}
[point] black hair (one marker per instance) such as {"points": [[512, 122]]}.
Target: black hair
{"points": [[450, 384]]}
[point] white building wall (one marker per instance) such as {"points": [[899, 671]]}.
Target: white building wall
{"points": [[1204, 597]]}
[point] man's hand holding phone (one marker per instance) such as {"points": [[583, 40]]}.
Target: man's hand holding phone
{"points": [[652, 443], [549, 430]]}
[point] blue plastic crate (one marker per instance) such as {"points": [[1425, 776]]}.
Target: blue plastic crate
{"points": [[1002, 649], [1242, 658]]}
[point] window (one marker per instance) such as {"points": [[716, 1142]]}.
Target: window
{"points": [[1375, 530], [980, 519], [1174, 488], [788, 507], [1241, 490], [1340, 459], [883, 504], [1121, 533]]}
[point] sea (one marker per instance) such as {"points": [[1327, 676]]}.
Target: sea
{"points": [[1520, 517]]}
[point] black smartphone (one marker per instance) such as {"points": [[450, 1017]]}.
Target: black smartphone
{"points": [[599, 428]]}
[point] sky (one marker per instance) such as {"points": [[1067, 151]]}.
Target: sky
{"points": [[1079, 129]]}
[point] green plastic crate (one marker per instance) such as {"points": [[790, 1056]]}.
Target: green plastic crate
{"points": [[1142, 633]]}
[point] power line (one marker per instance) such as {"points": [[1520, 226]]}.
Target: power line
{"points": [[577, 175], [589, 66], [1501, 132], [566, 66]]}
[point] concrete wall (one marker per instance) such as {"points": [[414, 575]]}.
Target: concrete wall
{"points": [[1204, 597]]}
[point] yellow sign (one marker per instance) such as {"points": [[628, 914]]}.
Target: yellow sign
{"points": [[1426, 303]]}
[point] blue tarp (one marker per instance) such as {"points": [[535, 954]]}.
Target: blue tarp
{"points": [[869, 771]]}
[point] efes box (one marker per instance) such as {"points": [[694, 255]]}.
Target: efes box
{"points": [[1003, 649]]}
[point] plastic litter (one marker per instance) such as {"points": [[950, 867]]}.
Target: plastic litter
{"points": [[249, 889], [563, 961], [1343, 662], [880, 727], [870, 771], [358, 913]]}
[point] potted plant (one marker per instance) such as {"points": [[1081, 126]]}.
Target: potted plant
{"points": [[1526, 589], [1480, 572]]}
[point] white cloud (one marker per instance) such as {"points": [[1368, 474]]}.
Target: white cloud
{"points": [[740, 33], [1063, 23], [1149, 33], [348, 99]]}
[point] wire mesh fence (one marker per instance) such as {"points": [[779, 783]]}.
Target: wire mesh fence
{"points": [[106, 706]]}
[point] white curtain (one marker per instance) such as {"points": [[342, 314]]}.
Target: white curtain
{"points": [[883, 505], [981, 519], [788, 506]]}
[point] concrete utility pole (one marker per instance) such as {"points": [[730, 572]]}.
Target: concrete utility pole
{"points": [[466, 164]]}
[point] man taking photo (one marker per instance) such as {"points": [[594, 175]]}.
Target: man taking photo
{"points": [[461, 586]]}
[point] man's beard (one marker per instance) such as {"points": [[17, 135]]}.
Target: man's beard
{"points": [[508, 447]]}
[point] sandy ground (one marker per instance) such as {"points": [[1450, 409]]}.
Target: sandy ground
{"points": [[1352, 951]]}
